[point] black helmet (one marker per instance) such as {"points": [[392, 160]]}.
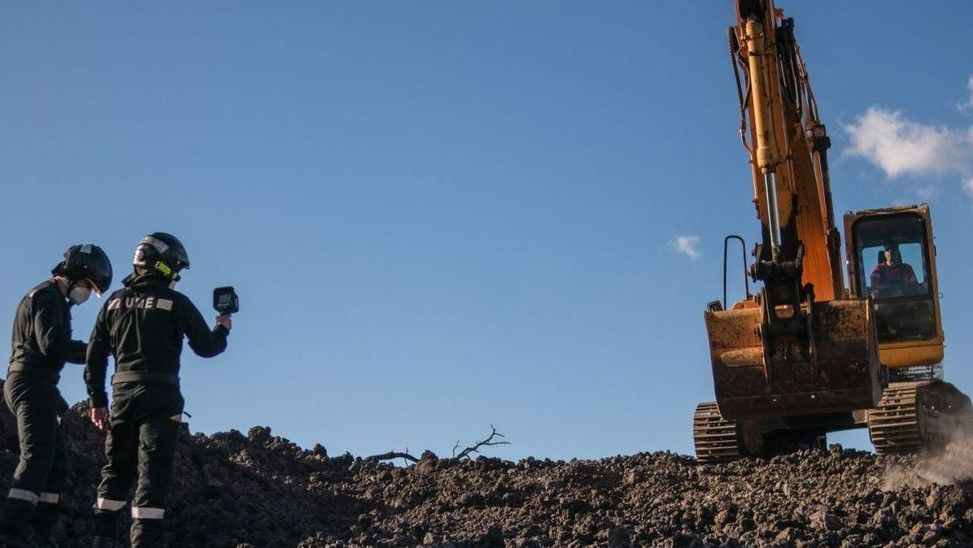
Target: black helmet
{"points": [[162, 253], [86, 262]]}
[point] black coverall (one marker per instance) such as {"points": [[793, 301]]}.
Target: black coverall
{"points": [[143, 325], [40, 344]]}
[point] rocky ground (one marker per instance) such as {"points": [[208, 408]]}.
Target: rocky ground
{"points": [[232, 489]]}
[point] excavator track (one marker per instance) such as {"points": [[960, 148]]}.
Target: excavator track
{"points": [[716, 439], [893, 425], [918, 415]]}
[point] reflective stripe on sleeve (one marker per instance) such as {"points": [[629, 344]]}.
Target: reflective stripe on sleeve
{"points": [[23, 494], [109, 504], [50, 498], [144, 512]]}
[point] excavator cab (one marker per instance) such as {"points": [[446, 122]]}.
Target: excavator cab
{"points": [[892, 260]]}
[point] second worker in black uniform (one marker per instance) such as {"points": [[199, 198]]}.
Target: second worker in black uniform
{"points": [[40, 345], [143, 325]]}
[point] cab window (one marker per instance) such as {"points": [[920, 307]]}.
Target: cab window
{"points": [[893, 268]]}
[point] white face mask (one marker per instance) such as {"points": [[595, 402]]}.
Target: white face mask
{"points": [[79, 294]]}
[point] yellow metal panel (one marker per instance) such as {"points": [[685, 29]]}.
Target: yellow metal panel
{"points": [[900, 355]]}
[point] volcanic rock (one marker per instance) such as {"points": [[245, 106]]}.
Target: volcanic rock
{"points": [[235, 490]]}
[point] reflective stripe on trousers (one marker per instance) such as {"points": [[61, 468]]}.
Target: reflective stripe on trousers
{"points": [[109, 504], [145, 512], [50, 498], [24, 494]]}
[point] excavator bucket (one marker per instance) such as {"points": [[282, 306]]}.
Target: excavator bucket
{"points": [[839, 372]]}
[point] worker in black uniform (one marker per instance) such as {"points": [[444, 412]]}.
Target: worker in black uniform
{"points": [[143, 325], [40, 345]]}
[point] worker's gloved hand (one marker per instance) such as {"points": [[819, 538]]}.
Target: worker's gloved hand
{"points": [[99, 417], [225, 321]]}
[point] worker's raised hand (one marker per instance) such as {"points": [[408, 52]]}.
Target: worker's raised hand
{"points": [[225, 321], [99, 417]]}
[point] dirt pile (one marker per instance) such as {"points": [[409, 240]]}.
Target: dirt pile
{"points": [[232, 489]]}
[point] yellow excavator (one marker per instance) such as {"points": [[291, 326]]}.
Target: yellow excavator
{"points": [[806, 355]]}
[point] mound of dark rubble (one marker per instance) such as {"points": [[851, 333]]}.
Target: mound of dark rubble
{"points": [[232, 489]]}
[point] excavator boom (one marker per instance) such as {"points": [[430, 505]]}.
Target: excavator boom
{"points": [[799, 352], [794, 349]]}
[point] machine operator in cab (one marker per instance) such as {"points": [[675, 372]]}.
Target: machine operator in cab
{"points": [[143, 325], [891, 277]]}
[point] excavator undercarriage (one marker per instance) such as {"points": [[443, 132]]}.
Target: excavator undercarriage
{"points": [[912, 416], [918, 415]]}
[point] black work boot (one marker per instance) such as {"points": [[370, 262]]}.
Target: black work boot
{"points": [[17, 515], [8, 540], [106, 528], [45, 518], [44, 541], [146, 532]]}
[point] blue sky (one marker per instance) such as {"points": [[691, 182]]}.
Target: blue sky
{"points": [[442, 215]]}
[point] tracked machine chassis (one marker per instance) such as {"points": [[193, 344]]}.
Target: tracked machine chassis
{"points": [[911, 417], [718, 439], [918, 415]]}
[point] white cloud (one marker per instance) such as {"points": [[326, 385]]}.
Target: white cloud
{"points": [[904, 148], [898, 146], [968, 105], [927, 193], [687, 245]]}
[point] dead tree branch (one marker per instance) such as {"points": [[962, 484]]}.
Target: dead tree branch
{"points": [[490, 441], [391, 455], [495, 438]]}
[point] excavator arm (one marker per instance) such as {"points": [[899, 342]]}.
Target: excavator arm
{"points": [[787, 145], [799, 347]]}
